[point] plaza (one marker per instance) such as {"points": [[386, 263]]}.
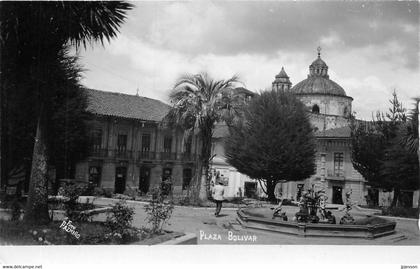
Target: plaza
{"points": [[280, 110], [200, 221]]}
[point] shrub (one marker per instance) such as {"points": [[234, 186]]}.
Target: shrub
{"points": [[119, 221], [401, 212], [132, 193], [71, 207], [16, 207], [158, 212], [97, 191], [121, 196], [185, 201], [289, 202], [89, 190]]}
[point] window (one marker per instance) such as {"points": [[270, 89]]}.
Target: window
{"points": [[338, 163], [96, 139], [145, 143], [122, 142], [95, 175], [186, 178], [345, 112], [315, 109], [187, 145], [167, 144]]}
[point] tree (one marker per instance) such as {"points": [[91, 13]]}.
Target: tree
{"points": [[273, 142], [198, 103], [68, 138], [409, 136], [34, 34], [379, 155], [67, 131], [367, 151]]}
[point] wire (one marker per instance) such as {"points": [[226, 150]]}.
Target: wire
{"points": [[113, 73]]}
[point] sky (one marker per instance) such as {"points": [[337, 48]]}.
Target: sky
{"points": [[371, 48]]}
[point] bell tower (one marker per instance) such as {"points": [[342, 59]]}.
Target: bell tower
{"points": [[282, 81]]}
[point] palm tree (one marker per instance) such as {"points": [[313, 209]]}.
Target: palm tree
{"points": [[36, 33], [199, 102]]}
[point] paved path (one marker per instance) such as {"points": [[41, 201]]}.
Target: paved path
{"points": [[225, 228]]}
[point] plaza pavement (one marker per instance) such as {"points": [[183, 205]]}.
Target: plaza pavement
{"points": [[225, 229]]}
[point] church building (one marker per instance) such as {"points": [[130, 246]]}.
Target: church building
{"points": [[329, 109]]}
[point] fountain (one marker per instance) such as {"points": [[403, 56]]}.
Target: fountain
{"points": [[313, 219]]}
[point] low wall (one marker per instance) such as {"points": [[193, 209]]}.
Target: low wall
{"points": [[317, 229]]}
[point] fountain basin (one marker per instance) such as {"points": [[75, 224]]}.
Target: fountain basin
{"points": [[367, 227]]}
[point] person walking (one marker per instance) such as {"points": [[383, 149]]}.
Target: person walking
{"points": [[218, 192]]}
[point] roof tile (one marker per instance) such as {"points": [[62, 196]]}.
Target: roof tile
{"points": [[126, 106]]}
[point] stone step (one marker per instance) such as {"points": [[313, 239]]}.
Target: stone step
{"points": [[398, 238]]}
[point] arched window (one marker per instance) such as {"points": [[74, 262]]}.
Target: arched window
{"points": [[315, 109]]}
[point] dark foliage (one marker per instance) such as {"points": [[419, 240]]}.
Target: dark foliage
{"points": [[401, 212], [274, 141], [91, 233], [368, 149], [37, 74], [380, 152]]}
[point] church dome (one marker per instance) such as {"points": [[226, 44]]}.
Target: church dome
{"points": [[319, 62], [318, 85], [318, 81]]}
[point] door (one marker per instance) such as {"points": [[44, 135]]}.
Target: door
{"points": [[337, 197], [167, 181], [95, 175], [406, 199], [373, 197], [251, 189], [144, 181], [120, 177]]}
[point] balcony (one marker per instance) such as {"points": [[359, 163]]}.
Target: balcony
{"points": [[97, 152], [147, 155], [188, 157], [122, 154], [168, 156], [142, 155], [335, 174]]}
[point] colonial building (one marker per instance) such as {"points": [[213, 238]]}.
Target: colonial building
{"points": [[330, 110], [132, 149]]}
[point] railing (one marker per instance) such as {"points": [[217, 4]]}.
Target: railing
{"points": [[168, 155], [95, 152], [143, 155], [147, 155], [188, 157], [335, 173], [123, 154]]}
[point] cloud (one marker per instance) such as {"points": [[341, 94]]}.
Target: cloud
{"points": [[331, 41], [266, 27], [163, 40]]}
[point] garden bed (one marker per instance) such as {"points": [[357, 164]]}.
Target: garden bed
{"points": [[401, 212], [395, 211], [91, 233]]}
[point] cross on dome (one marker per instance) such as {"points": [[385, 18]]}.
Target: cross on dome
{"points": [[318, 67]]}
